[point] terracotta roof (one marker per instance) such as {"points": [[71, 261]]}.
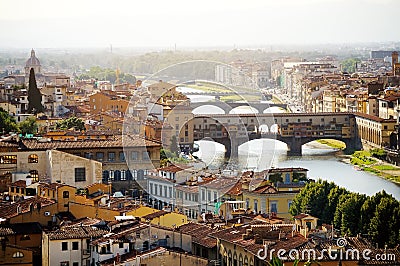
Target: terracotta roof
{"points": [[189, 189], [76, 232], [374, 118], [151, 216], [121, 233], [118, 142], [221, 183], [19, 183], [199, 234], [8, 144], [24, 206], [173, 168], [52, 186], [236, 189], [302, 216], [235, 235], [267, 189]]}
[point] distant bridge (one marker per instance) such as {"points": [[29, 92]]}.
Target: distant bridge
{"points": [[228, 106]]}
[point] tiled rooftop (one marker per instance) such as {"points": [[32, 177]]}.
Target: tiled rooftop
{"points": [[154, 215], [199, 234], [9, 211], [76, 232], [118, 142]]}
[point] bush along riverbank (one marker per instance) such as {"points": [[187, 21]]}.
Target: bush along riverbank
{"points": [[370, 161]]}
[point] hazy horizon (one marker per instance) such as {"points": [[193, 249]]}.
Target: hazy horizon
{"points": [[184, 24]]}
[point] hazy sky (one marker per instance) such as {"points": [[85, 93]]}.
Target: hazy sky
{"points": [[98, 23]]}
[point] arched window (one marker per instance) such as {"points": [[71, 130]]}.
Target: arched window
{"points": [[229, 258], [240, 259], [65, 194], [246, 261], [117, 175], [235, 261], [18, 254], [123, 175], [111, 178], [33, 158]]}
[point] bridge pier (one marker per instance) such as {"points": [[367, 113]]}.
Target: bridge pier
{"points": [[294, 146], [353, 144]]}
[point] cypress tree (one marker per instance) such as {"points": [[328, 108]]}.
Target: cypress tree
{"points": [[34, 96]]}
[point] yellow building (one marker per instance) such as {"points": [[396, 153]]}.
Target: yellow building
{"points": [[62, 194], [107, 101], [180, 118], [16, 255], [157, 217], [267, 199]]}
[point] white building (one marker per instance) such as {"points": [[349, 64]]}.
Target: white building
{"points": [[69, 245]]}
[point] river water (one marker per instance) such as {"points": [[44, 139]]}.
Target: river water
{"points": [[321, 161]]}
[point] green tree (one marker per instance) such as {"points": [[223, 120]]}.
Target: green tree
{"points": [[277, 177], [384, 228], [368, 209], [333, 201], [313, 198], [348, 212], [29, 126], [7, 122], [34, 96], [297, 177], [349, 65], [72, 122]]}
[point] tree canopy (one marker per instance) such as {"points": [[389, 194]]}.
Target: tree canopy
{"points": [[72, 122], [376, 216], [29, 126], [349, 65], [108, 74], [7, 122]]}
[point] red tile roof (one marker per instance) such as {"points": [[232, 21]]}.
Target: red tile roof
{"points": [[118, 142], [76, 232], [151, 216], [267, 189], [10, 211], [173, 168], [374, 118], [236, 189], [199, 234], [19, 183]]}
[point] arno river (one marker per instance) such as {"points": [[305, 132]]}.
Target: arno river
{"points": [[321, 162]]}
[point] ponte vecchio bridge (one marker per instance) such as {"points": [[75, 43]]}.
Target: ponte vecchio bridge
{"points": [[294, 129]]}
